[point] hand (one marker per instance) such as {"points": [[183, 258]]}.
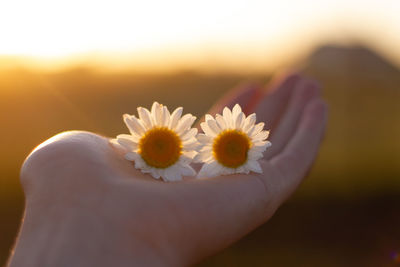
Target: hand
{"points": [[88, 206]]}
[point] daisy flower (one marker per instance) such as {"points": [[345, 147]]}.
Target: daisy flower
{"points": [[160, 143], [231, 143]]}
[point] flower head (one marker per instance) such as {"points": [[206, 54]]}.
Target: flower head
{"points": [[231, 143], [160, 143]]}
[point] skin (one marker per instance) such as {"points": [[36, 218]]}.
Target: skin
{"points": [[88, 206]]}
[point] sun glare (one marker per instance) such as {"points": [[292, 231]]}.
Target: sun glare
{"points": [[180, 31]]}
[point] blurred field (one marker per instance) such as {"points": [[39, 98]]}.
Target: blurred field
{"points": [[347, 213]]}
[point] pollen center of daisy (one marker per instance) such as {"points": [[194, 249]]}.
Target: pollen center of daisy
{"points": [[160, 147], [230, 148]]}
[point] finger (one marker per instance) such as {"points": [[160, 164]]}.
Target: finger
{"points": [[304, 91], [296, 159], [276, 99]]}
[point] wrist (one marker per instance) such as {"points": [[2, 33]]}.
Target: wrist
{"points": [[64, 235]]}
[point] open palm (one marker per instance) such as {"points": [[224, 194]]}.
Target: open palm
{"points": [[85, 199]]}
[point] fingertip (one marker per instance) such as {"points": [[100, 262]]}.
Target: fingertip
{"points": [[275, 98], [289, 76], [316, 85], [286, 80], [307, 89], [317, 106], [293, 76], [316, 111]]}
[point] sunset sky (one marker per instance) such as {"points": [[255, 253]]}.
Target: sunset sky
{"points": [[149, 33]]}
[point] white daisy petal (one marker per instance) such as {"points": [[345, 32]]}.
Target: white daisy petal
{"points": [[198, 158], [220, 121], [236, 111], [216, 170], [203, 171], [203, 153], [155, 173], [261, 147], [209, 160], [208, 117], [127, 142], [159, 172], [212, 124], [145, 117], [254, 166], [203, 157], [116, 145], [188, 134], [131, 156], [227, 171], [190, 145], [175, 116], [185, 122], [135, 138], [202, 138], [239, 120], [256, 129], [249, 122], [210, 170], [186, 159], [140, 164], [172, 174], [186, 170], [207, 130], [227, 114], [189, 155], [165, 117], [261, 136], [158, 114], [153, 110], [134, 125], [242, 169], [255, 155], [262, 144]]}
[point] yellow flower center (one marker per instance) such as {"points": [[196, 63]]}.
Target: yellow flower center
{"points": [[160, 147], [230, 148]]}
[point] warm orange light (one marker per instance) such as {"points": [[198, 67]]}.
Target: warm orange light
{"points": [[256, 35]]}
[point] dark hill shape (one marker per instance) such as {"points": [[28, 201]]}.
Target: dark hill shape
{"points": [[354, 58], [362, 89]]}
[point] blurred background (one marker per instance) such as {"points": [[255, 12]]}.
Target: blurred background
{"points": [[68, 65]]}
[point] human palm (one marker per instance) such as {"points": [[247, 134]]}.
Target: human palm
{"points": [[102, 211]]}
